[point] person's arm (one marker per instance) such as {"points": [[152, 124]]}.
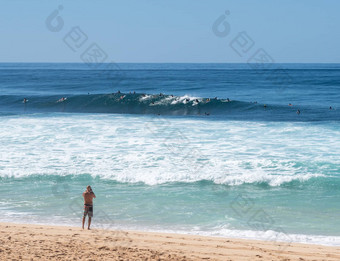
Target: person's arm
{"points": [[91, 191]]}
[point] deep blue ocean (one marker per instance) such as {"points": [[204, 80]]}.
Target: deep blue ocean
{"points": [[209, 149]]}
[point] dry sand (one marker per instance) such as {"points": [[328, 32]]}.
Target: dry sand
{"points": [[38, 242]]}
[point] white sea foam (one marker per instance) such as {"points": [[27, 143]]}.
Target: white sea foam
{"points": [[281, 239], [146, 97], [157, 150], [183, 99]]}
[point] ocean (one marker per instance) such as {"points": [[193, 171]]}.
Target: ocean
{"points": [[209, 149]]}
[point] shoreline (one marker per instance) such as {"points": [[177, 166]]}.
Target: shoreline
{"points": [[33, 242], [278, 237]]}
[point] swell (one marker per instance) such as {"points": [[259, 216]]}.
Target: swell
{"points": [[161, 104]]}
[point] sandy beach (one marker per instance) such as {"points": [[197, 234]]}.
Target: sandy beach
{"points": [[40, 242]]}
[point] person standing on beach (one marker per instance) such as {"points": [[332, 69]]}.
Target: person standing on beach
{"points": [[88, 196]]}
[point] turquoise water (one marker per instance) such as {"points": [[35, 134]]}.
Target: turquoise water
{"points": [[244, 170]]}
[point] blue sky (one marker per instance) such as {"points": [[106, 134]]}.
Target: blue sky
{"points": [[172, 31]]}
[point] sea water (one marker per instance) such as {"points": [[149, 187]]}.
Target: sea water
{"points": [[209, 149]]}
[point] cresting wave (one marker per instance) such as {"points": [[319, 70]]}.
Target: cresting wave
{"points": [[162, 104]]}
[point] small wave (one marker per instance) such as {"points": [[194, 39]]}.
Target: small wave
{"points": [[280, 238], [167, 178]]}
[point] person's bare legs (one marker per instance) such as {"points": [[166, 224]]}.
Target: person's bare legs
{"points": [[83, 222], [89, 223]]}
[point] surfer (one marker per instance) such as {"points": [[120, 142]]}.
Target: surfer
{"points": [[88, 196], [25, 100], [62, 99], [298, 112]]}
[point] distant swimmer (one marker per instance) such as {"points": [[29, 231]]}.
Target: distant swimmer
{"points": [[265, 105], [25, 100], [290, 104], [207, 113], [172, 95], [208, 100], [330, 107], [298, 112], [118, 92], [187, 100], [62, 99], [134, 92]]}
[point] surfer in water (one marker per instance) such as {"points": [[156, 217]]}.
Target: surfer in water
{"points": [[25, 100], [62, 99]]}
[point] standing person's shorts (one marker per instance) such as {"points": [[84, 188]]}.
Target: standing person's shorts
{"points": [[88, 210]]}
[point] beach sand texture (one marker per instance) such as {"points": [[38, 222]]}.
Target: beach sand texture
{"points": [[40, 242]]}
